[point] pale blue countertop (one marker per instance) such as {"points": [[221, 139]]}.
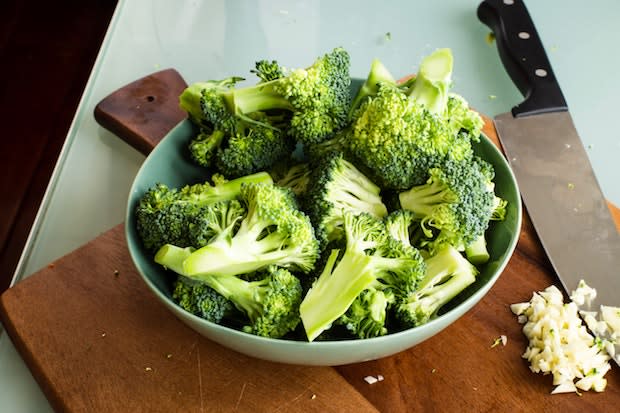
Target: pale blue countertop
{"points": [[214, 39]]}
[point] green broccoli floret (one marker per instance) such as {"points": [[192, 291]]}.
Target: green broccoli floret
{"points": [[454, 206], [448, 273], [296, 178], [203, 148], [402, 225], [268, 70], [477, 252], [316, 99], [222, 217], [233, 144], [253, 147], [371, 260], [272, 232], [367, 315], [337, 143], [200, 96], [167, 215], [270, 302], [201, 300], [337, 186], [378, 74], [401, 132]]}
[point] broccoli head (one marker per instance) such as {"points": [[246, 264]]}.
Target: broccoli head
{"points": [[316, 99], [270, 302], [167, 215], [234, 144], [337, 186], [371, 260], [454, 206], [199, 299], [272, 232], [367, 315], [448, 273], [268, 70], [400, 132]]}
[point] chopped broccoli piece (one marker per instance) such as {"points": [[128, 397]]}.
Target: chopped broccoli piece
{"points": [[219, 219], [201, 300], [166, 215], [448, 273], [233, 144], [378, 74], [316, 99], [366, 317], [272, 232], [402, 225], [454, 206], [337, 186], [203, 148], [370, 260], [477, 252], [401, 132], [268, 70], [271, 303], [253, 147], [296, 178]]}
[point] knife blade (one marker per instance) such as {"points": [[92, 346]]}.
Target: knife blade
{"points": [[558, 186]]}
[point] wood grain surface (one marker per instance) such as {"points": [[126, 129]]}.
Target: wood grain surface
{"points": [[97, 340]]}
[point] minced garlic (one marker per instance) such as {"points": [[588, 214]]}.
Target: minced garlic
{"points": [[559, 342]]}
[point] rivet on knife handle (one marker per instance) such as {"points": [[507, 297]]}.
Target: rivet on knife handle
{"points": [[523, 56]]}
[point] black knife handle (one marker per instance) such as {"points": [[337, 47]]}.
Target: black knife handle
{"points": [[523, 56]]}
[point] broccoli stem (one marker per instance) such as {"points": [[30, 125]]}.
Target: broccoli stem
{"points": [[172, 257], [231, 189], [448, 273], [253, 247], [431, 85], [423, 198], [246, 296], [260, 97], [378, 74], [477, 252], [358, 192], [189, 101], [333, 292], [499, 209]]}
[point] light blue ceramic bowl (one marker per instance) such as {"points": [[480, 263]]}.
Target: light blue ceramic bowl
{"points": [[168, 163]]}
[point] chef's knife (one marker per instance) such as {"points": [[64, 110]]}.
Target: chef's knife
{"points": [[557, 183]]}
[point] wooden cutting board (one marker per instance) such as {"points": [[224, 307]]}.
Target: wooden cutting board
{"points": [[96, 339]]}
